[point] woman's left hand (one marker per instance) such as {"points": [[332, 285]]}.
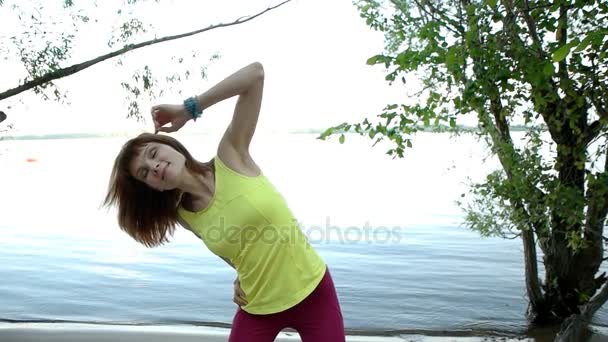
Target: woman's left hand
{"points": [[239, 295]]}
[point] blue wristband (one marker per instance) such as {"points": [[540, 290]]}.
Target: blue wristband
{"points": [[192, 107]]}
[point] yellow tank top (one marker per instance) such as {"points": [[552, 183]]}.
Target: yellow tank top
{"points": [[249, 223]]}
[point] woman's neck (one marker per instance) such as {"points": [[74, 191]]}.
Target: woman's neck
{"points": [[199, 187]]}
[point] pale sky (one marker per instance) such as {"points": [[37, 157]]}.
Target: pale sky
{"points": [[313, 51]]}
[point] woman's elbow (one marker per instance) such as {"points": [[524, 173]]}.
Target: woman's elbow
{"points": [[258, 70]]}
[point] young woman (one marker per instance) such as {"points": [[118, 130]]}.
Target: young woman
{"points": [[230, 204]]}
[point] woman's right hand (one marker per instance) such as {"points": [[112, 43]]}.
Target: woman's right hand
{"points": [[176, 115], [239, 295]]}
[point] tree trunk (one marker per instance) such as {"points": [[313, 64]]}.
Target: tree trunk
{"points": [[569, 273], [531, 271]]}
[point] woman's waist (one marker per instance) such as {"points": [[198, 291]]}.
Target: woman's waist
{"points": [[280, 285]]}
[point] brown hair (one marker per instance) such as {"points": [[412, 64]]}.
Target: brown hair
{"points": [[147, 215]]}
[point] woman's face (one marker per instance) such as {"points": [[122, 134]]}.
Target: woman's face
{"points": [[158, 165]]}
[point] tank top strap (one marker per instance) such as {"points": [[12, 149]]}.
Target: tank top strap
{"points": [[231, 183]]}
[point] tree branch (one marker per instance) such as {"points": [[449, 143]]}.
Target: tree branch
{"points": [[596, 127], [458, 30], [597, 208], [60, 73], [596, 302], [525, 12], [562, 37], [547, 90], [601, 110]]}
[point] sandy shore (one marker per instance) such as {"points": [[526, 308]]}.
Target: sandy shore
{"points": [[73, 332]]}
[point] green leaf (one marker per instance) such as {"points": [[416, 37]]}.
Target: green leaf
{"points": [[342, 139], [451, 59], [549, 69], [375, 59], [583, 45], [404, 58], [563, 51], [391, 107], [491, 3], [326, 133]]}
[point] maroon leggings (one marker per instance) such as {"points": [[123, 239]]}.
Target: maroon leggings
{"points": [[317, 319]]}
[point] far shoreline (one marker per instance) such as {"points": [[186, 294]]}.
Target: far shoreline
{"points": [[126, 134]]}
